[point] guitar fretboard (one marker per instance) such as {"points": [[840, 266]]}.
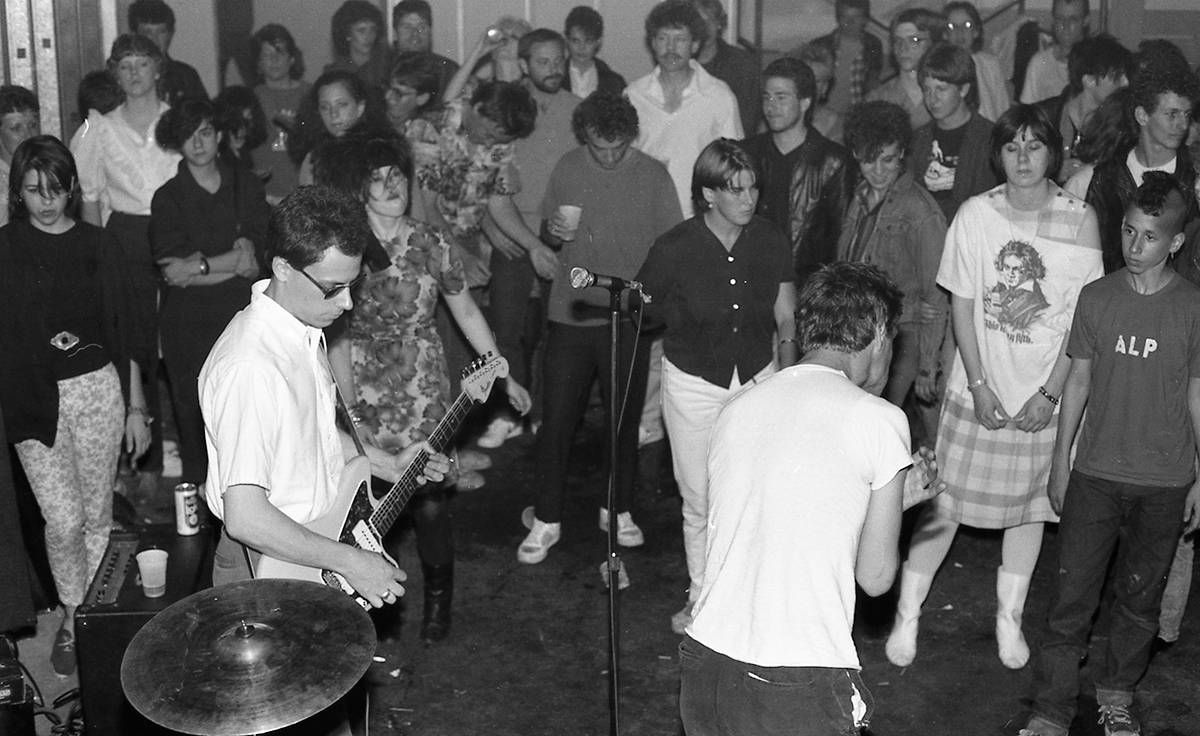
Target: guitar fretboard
{"points": [[393, 503]]}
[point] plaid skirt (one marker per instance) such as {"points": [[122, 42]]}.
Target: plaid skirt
{"points": [[994, 479]]}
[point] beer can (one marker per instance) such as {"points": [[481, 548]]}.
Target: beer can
{"points": [[187, 509]]}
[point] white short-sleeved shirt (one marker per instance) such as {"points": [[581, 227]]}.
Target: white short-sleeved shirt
{"points": [[1045, 77], [268, 401], [792, 464], [122, 165], [708, 111]]}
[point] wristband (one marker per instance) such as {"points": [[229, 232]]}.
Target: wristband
{"points": [[786, 339], [980, 383], [1052, 399]]}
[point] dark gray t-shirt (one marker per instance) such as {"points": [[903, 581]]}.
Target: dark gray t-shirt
{"points": [[1144, 350]]}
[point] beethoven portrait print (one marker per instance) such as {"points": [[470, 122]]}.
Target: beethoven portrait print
{"points": [[1016, 300]]}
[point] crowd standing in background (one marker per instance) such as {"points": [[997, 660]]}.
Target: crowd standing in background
{"points": [[949, 249]]}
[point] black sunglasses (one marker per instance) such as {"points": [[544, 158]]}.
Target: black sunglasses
{"points": [[332, 292]]}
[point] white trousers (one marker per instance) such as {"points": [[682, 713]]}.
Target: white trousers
{"points": [[690, 405]]}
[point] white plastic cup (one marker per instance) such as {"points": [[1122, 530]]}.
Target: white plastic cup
{"points": [[152, 566], [571, 215]]}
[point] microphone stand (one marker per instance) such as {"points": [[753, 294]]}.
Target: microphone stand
{"points": [[613, 559]]}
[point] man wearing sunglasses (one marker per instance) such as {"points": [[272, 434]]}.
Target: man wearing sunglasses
{"points": [[276, 454]]}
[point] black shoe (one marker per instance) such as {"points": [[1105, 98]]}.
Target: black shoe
{"points": [[62, 654], [439, 594]]}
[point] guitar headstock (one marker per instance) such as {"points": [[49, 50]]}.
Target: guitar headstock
{"points": [[481, 373]]}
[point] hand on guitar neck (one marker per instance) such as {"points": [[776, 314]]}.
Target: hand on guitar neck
{"points": [[358, 519], [389, 467]]}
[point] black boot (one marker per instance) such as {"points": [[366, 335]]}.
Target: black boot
{"points": [[439, 593]]}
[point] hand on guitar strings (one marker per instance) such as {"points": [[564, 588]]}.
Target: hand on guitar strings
{"points": [[374, 577]]}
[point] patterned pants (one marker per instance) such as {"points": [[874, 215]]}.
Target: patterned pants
{"points": [[73, 479]]}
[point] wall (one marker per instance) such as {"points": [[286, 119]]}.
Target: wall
{"points": [[458, 24]]}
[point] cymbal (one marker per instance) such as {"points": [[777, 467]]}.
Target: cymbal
{"points": [[247, 657]]}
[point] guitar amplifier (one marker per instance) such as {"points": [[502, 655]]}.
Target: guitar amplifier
{"points": [[115, 609]]}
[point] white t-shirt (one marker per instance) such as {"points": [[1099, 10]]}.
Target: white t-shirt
{"points": [[1138, 172], [1045, 77], [708, 111], [268, 401], [792, 464]]}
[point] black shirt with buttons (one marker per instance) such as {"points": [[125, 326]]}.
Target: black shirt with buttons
{"points": [[718, 304]]}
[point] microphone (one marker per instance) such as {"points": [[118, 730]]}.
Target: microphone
{"points": [[581, 278]]}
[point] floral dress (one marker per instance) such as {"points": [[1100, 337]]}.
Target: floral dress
{"points": [[399, 365]]}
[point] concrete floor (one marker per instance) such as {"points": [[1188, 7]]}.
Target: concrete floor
{"points": [[527, 654]]}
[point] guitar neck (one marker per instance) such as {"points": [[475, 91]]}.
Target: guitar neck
{"points": [[389, 508]]}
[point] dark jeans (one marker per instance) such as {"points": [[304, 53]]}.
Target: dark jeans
{"points": [[720, 696], [1098, 514], [576, 356], [508, 295]]}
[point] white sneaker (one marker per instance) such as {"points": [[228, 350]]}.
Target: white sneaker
{"points": [[628, 533], [539, 540], [498, 432]]}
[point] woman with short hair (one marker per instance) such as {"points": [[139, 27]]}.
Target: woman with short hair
{"points": [[964, 28], [121, 166], [208, 225], [281, 90], [724, 284], [1015, 260], [70, 387], [388, 361]]}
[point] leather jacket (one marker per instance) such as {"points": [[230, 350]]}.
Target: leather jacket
{"points": [[821, 186], [1112, 188]]}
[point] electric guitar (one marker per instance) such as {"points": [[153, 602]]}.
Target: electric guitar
{"points": [[359, 519]]}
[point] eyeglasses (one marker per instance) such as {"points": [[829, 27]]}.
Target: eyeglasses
{"points": [[909, 41], [334, 290], [966, 25]]}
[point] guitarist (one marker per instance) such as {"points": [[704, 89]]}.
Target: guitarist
{"points": [[267, 395]]}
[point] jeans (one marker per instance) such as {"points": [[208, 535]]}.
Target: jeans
{"points": [[1097, 514], [720, 696], [1179, 585], [575, 356], [508, 294]]}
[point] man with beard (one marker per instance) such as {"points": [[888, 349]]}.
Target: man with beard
{"points": [[543, 55], [806, 179], [681, 109], [1164, 96]]}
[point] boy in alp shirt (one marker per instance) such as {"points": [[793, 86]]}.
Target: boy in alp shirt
{"points": [[1135, 366]]}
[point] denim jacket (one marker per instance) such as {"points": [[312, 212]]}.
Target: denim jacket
{"points": [[906, 242]]}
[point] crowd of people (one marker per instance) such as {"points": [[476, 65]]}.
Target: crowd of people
{"points": [[877, 281]]}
